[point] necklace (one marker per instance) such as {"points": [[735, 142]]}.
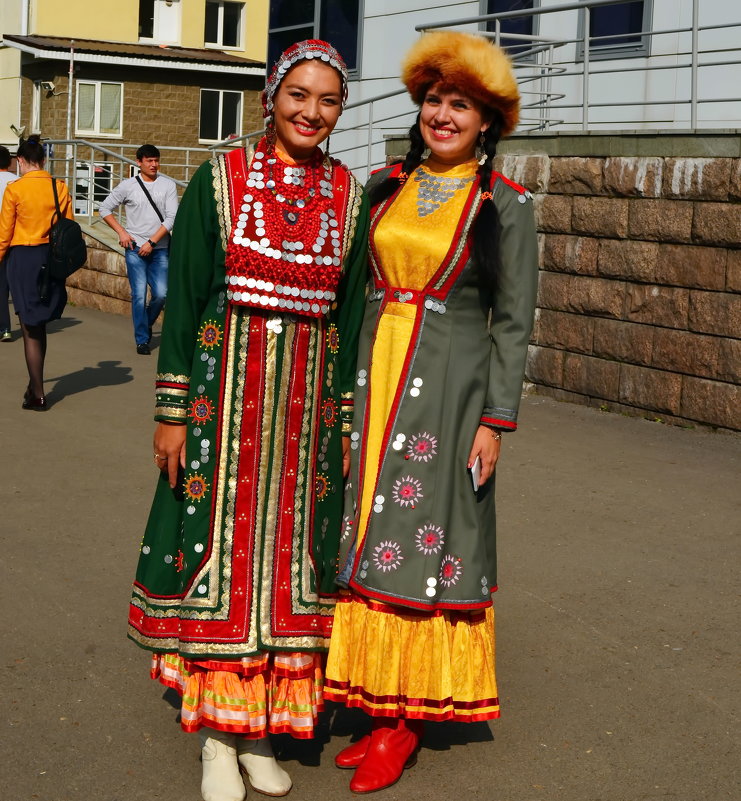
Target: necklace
{"points": [[285, 248], [434, 190]]}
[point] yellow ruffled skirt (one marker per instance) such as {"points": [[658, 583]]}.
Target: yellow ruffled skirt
{"points": [[276, 693], [400, 663]]}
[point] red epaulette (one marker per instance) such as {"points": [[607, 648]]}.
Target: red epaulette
{"points": [[499, 177]]}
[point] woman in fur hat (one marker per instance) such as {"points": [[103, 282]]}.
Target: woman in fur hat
{"points": [[453, 260], [235, 585]]}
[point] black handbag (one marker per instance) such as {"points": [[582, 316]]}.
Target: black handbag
{"points": [[67, 248]]}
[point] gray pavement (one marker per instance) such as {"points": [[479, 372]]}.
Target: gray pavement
{"points": [[617, 617]]}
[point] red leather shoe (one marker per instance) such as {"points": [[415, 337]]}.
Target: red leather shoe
{"points": [[393, 747], [352, 756]]}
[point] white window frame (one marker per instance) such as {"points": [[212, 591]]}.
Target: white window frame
{"points": [[221, 93], [156, 36], [97, 131], [36, 107], [598, 52], [220, 26], [536, 25]]}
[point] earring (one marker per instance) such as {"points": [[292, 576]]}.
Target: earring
{"points": [[484, 155]]}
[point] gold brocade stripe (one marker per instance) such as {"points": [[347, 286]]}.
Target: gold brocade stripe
{"points": [[163, 410], [172, 378], [355, 197], [178, 393], [221, 196]]}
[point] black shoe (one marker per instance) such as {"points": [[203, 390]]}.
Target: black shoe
{"points": [[143, 349], [30, 401]]}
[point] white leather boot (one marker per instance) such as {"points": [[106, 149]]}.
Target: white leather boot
{"points": [[222, 780], [265, 774]]}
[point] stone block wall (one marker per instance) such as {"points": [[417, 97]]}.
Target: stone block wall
{"points": [[639, 304], [101, 283]]}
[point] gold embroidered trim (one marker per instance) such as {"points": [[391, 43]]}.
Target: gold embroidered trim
{"points": [[169, 411], [175, 379], [473, 211], [220, 186]]}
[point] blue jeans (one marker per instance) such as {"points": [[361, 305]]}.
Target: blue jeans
{"points": [[142, 271]]}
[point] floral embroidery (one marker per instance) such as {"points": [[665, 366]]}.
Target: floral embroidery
{"points": [[210, 334], [421, 447], [333, 338], [429, 539], [201, 410], [321, 486], [407, 491], [195, 487], [451, 570], [329, 412], [179, 561], [387, 556]]}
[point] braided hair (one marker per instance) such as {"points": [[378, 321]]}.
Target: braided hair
{"points": [[485, 231]]}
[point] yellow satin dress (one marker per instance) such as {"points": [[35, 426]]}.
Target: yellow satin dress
{"points": [[389, 660]]}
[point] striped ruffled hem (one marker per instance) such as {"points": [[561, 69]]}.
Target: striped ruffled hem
{"points": [[391, 663], [276, 693]]}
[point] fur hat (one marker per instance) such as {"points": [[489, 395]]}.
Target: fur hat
{"points": [[471, 64]]}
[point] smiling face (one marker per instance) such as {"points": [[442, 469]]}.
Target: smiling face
{"points": [[308, 104], [451, 124]]}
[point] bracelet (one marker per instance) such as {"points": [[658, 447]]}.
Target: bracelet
{"points": [[496, 434]]}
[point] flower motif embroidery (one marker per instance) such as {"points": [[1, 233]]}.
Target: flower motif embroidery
{"points": [[180, 562], [333, 338], [195, 487], [210, 335], [407, 491], [387, 556], [201, 410], [329, 412], [451, 570], [421, 447], [429, 539], [321, 486]]}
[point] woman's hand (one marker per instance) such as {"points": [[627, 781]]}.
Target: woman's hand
{"points": [[345, 457], [169, 449], [486, 445]]}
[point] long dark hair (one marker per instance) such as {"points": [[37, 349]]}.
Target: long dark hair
{"points": [[31, 150], [485, 231]]}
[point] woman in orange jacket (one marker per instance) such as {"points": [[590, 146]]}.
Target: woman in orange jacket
{"points": [[25, 220]]}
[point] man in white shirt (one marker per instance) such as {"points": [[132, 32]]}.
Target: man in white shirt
{"points": [[6, 176], [150, 201]]}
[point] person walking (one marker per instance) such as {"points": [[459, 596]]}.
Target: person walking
{"points": [[6, 177], [453, 259], [234, 590], [150, 201], [25, 219]]}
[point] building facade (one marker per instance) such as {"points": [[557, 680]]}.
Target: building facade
{"points": [[179, 73]]}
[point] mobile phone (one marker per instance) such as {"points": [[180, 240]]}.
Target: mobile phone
{"points": [[476, 474]]}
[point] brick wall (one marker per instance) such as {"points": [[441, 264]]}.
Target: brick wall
{"points": [[639, 305]]}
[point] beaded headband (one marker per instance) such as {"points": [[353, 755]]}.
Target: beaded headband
{"points": [[307, 50]]}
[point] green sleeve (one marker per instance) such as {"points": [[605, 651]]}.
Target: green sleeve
{"points": [[350, 308], [512, 309], [196, 253]]}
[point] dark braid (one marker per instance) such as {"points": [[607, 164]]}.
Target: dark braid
{"points": [[413, 159], [485, 233]]}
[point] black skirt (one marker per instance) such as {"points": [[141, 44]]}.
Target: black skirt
{"points": [[24, 264]]}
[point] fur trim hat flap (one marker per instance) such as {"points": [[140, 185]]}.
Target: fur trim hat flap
{"points": [[471, 64]]}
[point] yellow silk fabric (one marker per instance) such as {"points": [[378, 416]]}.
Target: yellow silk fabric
{"points": [[431, 667]]}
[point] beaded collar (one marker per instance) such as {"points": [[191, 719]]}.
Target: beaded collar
{"points": [[285, 248]]}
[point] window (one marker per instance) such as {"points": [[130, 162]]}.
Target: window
{"points": [[616, 30], [99, 108], [36, 107], [159, 20], [335, 21], [519, 25], [223, 24], [221, 115]]}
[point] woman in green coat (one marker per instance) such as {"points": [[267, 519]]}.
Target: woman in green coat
{"points": [[234, 591], [453, 261]]}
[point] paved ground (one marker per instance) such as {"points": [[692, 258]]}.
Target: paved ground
{"points": [[617, 627]]}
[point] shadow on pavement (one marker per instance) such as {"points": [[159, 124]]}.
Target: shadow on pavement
{"points": [[107, 373]]}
